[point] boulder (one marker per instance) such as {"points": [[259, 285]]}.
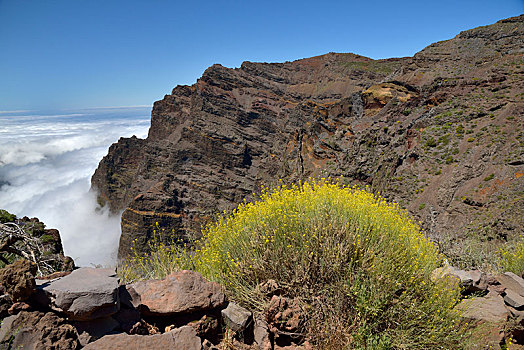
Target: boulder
{"points": [[85, 294], [36, 330], [513, 282], [514, 299], [183, 338], [236, 317], [18, 279], [180, 292], [490, 308]]}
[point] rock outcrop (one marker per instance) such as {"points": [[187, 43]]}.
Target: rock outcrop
{"points": [[440, 133]]}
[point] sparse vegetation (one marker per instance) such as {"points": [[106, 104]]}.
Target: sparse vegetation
{"points": [[489, 177]]}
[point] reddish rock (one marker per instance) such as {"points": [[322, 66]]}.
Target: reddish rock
{"points": [[490, 308], [511, 281], [285, 314], [183, 338], [36, 330], [17, 307], [18, 279], [180, 292]]}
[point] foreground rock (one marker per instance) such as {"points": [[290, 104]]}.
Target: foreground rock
{"points": [[183, 338], [180, 292], [36, 330], [236, 317], [490, 308], [18, 280], [83, 295]]}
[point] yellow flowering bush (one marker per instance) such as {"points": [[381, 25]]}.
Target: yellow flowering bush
{"points": [[359, 264], [360, 267]]}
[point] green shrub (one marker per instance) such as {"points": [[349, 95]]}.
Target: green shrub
{"points": [[5, 216], [47, 239], [161, 260], [431, 142], [489, 177]]}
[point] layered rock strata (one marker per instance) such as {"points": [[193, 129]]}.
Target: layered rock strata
{"points": [[441, 133]]}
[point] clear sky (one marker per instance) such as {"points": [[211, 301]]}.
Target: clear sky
{"points": [[87, 53]]}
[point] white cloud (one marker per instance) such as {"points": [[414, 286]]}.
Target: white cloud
{"points": [[45, 168]]}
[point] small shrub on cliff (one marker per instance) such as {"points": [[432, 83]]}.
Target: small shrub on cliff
{"points": [[5, 216]]}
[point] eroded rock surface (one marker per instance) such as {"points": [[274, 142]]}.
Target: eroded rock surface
{"points": [[18, 280], [39, 331]]}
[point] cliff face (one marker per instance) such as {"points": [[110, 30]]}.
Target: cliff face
{"points": [[441, 133]]}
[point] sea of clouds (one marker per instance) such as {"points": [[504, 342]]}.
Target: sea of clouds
{"points": [[46, 164]]}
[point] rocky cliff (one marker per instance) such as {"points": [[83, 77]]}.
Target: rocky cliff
{"points": [[440, 132]]}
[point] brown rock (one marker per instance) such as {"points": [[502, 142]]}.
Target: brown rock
{"points": [[89, 331], [85, 294], [511, 281], [183, 338], [180, 292], [261, 334], [18, 279], [514, 299], [236, 317], [36, 330], [17, 307], [285, 314], [490, 308], [206, 328]]}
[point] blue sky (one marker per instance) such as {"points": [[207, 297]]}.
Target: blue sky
{"points": [[58, 54]]}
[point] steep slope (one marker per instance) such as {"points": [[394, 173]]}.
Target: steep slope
{"points": [[440, 132]]}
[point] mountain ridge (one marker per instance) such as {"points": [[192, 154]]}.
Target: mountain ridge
{"points": [[427, 131]]}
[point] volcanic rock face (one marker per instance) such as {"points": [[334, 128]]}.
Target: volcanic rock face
{"points": [[441, 133]]}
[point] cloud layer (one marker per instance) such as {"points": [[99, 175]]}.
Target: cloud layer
{"points": [[46, 162]]}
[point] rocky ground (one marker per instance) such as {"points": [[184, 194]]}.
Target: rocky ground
{"points": [[88, 308], [441, 133]]}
